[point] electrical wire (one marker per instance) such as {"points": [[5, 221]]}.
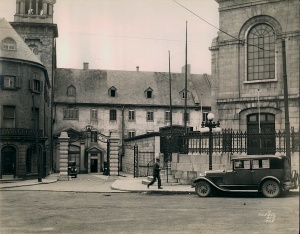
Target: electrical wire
{"points": [[241, 41]]}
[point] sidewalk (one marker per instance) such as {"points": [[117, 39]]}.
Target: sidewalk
{"points": [[96, 183]]}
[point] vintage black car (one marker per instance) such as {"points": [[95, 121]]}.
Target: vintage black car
{"points": [[270, 175], [72, 170]]}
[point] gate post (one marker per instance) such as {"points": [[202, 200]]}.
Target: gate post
{"points": [[114, 155], [63, 156]]}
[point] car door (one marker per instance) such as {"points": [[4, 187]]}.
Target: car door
{"points": [[242, 173], [260, 169]]}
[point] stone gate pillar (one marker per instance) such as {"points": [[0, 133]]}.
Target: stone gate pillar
{"points": [[63, 155], [114, 154]]}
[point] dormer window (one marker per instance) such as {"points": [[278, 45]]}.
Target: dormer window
{"points": [[182, 94], [71, 91], [112, 92], [9, 44], [149, 93]]}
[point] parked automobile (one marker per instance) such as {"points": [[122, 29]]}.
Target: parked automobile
{"points": [[270, 175], [72, 170]]}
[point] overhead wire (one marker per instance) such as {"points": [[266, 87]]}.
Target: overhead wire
{"points": [[241, 41]]}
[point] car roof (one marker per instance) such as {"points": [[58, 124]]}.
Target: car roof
{"points": [[258, 157]]}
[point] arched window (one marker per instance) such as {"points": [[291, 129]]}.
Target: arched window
{"points": [[261, 53], [9, 44], [71, 92]]}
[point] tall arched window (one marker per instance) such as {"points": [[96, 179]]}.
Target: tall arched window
{"points": [[261, 53]]}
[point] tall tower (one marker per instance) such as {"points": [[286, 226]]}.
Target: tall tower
{"points": [[33, 21]]}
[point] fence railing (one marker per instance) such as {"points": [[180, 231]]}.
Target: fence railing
{"points": [[237, 142]]}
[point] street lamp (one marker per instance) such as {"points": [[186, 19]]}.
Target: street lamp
{"points": [[210, 127]]}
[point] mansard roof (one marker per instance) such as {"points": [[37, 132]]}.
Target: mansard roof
{"points": [[22, 52], [92, 86]]}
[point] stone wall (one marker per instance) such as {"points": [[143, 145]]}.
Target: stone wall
{"points": [[148, 148]]}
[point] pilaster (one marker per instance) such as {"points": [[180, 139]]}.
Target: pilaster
{"points": [[63, 156]]}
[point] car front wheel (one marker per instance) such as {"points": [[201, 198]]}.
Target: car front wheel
{"points": [[203, 188], [270, 189]]}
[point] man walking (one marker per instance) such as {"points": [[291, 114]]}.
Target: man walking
{"points": [[156, 175]]}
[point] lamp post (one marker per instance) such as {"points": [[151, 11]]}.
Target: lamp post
{"points": [[210, 127]]}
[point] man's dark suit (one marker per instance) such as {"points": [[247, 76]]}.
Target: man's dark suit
{"points": [[156, 175]]}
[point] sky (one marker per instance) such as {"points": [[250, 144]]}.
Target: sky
{"points": [[124, 34]]}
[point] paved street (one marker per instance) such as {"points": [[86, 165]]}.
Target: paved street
{"points": [[54, 208]]}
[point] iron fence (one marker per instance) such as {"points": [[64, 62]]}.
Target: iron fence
{"points": [[237, 142]]}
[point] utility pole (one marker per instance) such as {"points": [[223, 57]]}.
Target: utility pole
{"points": [[185, 86], [36, 142], [286, 103], [170, 87]]}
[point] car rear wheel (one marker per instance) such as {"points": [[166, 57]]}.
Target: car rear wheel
{"points": [[270, 188], [203, 189]]}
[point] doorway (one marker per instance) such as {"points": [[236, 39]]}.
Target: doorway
{"points": [[94, 165], [8, 161], [261, 141]]}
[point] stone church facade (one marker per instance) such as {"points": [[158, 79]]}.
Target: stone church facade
{"points": [[247, 65]]}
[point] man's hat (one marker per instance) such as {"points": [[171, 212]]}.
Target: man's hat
{"points": [[157, 159]]}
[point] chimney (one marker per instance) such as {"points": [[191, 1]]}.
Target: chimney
{"points": [[137, 68], [85, 66], [188, 69]]}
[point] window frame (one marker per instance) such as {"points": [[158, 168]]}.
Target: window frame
{"points": [[71, 91], [70, 116], [131, 115], [113, 115], [260, 64], [9, 46], [94, 114], [167, 116], [150, 116], [5, 118], [131, 133]]}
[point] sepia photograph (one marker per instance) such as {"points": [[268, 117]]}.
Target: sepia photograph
{"points": [[149, 116]]}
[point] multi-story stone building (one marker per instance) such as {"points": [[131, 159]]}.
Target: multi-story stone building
{"points": [[248, 79], [129, 103], [25, 123], [27, 55]]}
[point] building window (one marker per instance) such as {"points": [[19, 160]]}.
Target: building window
{"points": [[71, 91], [261, 53], [131, 115], [94, 136], [187, 117], [9, 116], [131, 134], [36, 85], [94, 114], [167, 116], [204, 116], [112, 92], [9, 82], [182, 94], [149, 93], [150, 116], [71, 113], [9, 44], [112, 115]]}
